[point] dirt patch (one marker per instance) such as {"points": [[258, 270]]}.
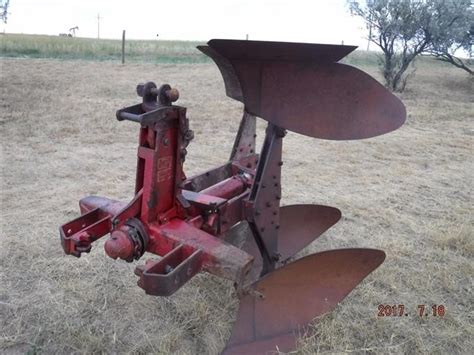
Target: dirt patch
{"points": [[408, 193]]}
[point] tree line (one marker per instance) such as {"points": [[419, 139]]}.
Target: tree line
{"points": [[405, 29]]}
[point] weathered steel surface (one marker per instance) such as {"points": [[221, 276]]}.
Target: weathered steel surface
{"points": [[330, 101], [228, 188], [241, 236], [263, 205], [244, 144], [301, 224], [78, 235], [283, 51], [284, 302], [165, 276], [209, 178], [218, 257], [88, 203], [300, 87]]}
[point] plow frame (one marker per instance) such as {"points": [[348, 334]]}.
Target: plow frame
{"points": [[228, 220]]}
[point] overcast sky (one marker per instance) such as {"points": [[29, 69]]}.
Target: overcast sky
{"points": [[323, 21]]}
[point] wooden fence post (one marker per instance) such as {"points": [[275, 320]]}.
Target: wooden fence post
{"points": [[123, 47]]}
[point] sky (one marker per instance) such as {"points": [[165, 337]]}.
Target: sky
{"points": [[313, 21]]}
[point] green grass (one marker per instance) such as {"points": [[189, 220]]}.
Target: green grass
{"points": [[38, 46], [147, 51], [141, 51]]}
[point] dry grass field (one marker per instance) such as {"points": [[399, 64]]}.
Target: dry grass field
{"points": [[408, 193]]}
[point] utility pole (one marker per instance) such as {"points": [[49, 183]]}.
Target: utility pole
{"points": [[370, 36], [123, 47], [98, 25], [370, 32]]}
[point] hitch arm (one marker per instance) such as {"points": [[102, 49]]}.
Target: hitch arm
{"points": [[78, 235]]}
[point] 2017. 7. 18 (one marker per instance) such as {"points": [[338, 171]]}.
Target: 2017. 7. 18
{"points": [[422, 310]]}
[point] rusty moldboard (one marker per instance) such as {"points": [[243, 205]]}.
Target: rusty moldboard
{"points": [[302, 88]]}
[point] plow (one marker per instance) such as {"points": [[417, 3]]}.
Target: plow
{"points": [[228, 221]]}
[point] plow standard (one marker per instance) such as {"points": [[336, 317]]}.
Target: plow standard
{"points": [[228, 221]]}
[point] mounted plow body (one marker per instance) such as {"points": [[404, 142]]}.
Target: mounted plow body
{"points": [[228, 221]]}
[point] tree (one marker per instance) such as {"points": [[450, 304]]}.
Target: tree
{"points": [[404, 29], [453, 32], [4, 10], [399, 30]]}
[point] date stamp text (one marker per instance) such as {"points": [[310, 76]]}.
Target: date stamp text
{"points": [[422, 310]]}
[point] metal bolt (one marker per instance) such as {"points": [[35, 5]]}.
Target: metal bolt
{"points": [[172, 94], [246, 175]]}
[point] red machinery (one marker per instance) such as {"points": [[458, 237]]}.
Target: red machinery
{"points": [[228, 220]]}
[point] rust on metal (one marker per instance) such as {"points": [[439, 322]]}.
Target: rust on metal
{"points": [[228, 220], [283, 302], [300, 87], [301, 224]]}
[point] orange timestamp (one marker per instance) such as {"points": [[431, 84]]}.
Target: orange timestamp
{"points": [[422, 310]]}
